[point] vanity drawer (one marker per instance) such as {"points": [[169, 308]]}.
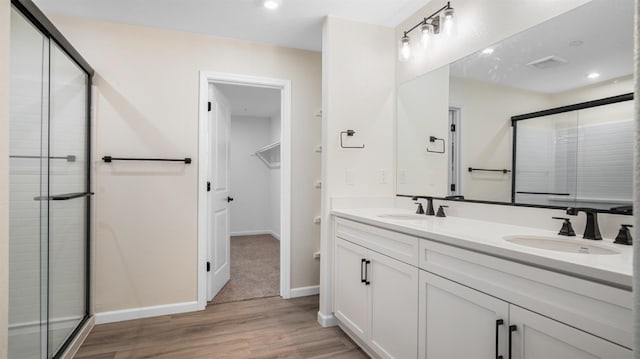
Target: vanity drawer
{"points": [[396, 245], [596, 308]]}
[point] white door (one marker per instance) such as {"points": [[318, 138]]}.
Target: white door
{"points": [[219, 196], [394, 307], [351, 300], [538, 337], [458, 322]]}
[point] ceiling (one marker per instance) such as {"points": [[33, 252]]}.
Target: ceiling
{"points": [[251, 101], [596, 37], [296, 24]]}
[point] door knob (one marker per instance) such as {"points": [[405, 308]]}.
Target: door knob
{"points": [[229, 199]]}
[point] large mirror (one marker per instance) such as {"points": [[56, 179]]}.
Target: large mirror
{"points": [[572, 143]]}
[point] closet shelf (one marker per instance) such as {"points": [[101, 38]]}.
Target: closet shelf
{"points": [[270, 155]]}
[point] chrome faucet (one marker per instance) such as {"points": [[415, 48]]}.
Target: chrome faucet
{"points": [[591, 230]]}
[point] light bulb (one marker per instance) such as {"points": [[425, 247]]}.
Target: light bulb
{"points": [[272, 4], [404, 51], [593, 75], [488, 51], [427, 30], [448, 24]]}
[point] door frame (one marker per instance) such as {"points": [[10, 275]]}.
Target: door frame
{"points": [[207, 77]]}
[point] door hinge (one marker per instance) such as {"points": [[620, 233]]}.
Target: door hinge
{"points": [[209, 106], [453, 127], [208, 266], [208, 186], [453, 187]]}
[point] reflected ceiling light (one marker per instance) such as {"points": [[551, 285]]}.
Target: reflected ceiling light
{"points": [[593, 75], [429, 27], [488, 51], [272, 4], [404, 52]]}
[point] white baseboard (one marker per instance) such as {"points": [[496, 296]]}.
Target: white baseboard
{"points": [[255, 233], [327, 320], [145, 312], [304, 291]]}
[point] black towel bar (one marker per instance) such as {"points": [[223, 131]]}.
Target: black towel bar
{"points": [[504, 170], [109, 159]]}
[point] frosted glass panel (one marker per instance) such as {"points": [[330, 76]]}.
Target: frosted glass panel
{"points": [[27, 181], [67, 218], [48, 202]]}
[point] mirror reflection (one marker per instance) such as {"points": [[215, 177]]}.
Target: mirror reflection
{"points": [[464, 109]]}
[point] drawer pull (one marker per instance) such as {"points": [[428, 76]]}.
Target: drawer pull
{"points": [[366, 272], [512, 328], [362, 264], [499, 322]]}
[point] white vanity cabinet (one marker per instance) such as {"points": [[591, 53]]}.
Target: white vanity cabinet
{"points": [[402, 296], [376, 296], [460, 322], [473, 305]]}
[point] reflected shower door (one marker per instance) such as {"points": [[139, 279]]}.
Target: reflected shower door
{"points": [[68, 204], [28, 214]]}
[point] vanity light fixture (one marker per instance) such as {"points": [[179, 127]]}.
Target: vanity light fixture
{"points": [[440, 22], [272, 4], [593, 75]]}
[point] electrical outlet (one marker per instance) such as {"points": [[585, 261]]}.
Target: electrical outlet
{"points": [[382, 175], [402, 176]]}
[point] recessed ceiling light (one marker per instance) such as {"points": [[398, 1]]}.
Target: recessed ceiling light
{"points": [[593, 75], [272, 4], [488, 51]]}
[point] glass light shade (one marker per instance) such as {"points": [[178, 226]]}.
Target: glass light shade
{"points": [[447, 21], [427, 32], [404, 49]]}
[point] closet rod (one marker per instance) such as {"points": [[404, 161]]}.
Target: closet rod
{"points": [[69, 158], [109, 159]]}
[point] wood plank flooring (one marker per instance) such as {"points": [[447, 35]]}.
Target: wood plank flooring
{"points": [[258, 328]]}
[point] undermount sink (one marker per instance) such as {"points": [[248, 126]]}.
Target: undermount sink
{"points": [[559, 245], [402, 216]]}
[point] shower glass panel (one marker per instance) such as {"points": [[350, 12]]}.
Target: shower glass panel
{"points": [[67, 209], [49, 192], [28, 218], [546, 158]]}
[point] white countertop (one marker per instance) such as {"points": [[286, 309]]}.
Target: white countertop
{"points": [[487, 237]]}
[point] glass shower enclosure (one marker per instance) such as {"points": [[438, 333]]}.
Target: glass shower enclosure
{"points": [[49, 189]]}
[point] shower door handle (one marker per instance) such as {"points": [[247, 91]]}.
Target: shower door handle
{"points": [[64, 196]]}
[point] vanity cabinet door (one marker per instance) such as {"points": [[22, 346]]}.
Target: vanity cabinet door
{"points": [[351, 293], [538, 337], [394, 307], [459, 322]]}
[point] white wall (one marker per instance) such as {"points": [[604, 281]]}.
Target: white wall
{"points": [[147, 105], [251, 186], [423, 111], [486, 135], [5, 6], [358, 94]]}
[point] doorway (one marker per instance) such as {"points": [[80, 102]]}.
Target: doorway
{"points": [[243, 229]]}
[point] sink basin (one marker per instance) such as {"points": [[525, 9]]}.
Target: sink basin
{"points": [[559, 245], [402, 216]]}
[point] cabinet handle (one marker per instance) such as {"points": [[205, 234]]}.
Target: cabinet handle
{"points": [[512, 328], [362, 264], [366, 272], [499, 322]]}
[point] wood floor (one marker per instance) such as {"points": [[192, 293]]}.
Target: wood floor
{"points": [[258, 328]]}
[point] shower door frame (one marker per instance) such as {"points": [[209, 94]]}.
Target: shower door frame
{"points": [[38, 19]]}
